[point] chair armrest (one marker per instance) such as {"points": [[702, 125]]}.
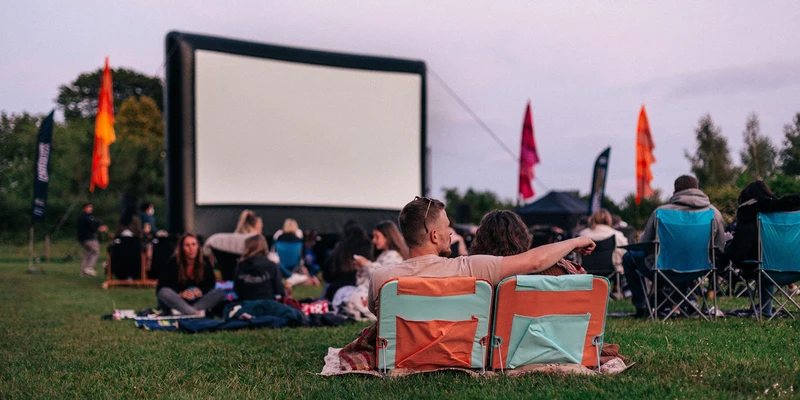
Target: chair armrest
{"points": [[647, 247]]}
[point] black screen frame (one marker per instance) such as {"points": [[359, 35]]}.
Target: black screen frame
{"points": [[183, 213]]}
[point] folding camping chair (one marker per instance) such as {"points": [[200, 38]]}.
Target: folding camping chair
{"points": [[163, 249], [290, 255], [601, 262], [226, 263], [128, 263], [778, 252], [684, 258], [432, 323], [541, 319]]}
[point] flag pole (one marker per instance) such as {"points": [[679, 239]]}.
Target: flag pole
{"points": [[31, 268]]}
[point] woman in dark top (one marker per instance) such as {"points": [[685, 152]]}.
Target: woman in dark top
{"points": [[755, 198], [256, 277], [187, 281], [502, 233], [340, 268]]}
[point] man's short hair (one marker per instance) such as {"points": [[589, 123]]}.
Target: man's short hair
{"points": [[86, 204], [415, 215], [686, 182]]}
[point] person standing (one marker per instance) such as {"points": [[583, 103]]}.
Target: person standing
{"points": [[87, 237]]}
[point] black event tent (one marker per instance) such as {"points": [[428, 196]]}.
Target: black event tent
{"points": [[556, 208]]}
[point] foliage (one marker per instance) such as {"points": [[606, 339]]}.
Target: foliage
{"points": [[636, 215], [790, 155], [78, 99], [471, 207], [725, 199], [711, 163], [759, 155], [139, 168]]}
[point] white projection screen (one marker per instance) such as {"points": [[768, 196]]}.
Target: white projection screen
{"points": [[290, 133], [273, 132]]}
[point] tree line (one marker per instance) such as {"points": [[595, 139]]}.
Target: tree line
{"points": [[137, 161], [711, 162]]}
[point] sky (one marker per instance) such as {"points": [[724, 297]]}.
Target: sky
{"points": [[586, 67]]}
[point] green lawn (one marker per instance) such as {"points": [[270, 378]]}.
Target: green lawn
{"points": [[53, 344]]}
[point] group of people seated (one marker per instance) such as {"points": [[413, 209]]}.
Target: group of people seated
{"points": [[422, 246]]}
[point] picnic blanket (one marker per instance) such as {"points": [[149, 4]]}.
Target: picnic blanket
{"points": [[358, 357]]}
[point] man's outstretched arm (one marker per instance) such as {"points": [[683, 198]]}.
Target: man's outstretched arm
{"points": [[543, 257]]}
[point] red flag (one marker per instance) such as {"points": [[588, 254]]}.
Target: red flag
{"points": [[103, 133], [644, 158], [528, 157]]}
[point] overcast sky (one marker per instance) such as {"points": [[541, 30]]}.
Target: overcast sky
{"points": [[587, 67]]}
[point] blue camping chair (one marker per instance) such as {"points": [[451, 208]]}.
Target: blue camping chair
{"points": [[684, 257], [290, 254], [778, 250]]}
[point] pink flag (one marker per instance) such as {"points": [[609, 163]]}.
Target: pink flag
{"points": [[528, 157]]}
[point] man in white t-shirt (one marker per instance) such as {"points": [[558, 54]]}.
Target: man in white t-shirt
{"points": [[425, 227]]}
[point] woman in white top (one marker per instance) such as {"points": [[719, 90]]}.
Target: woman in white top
{"points": [[600, 229], [387, 238]]}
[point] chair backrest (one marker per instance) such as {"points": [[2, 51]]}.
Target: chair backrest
{"points": [[163, 249], [430, 323], [600, 262], [226, 263], [540, 319], [684, 240], [289, 253], [779, 241], [126, 257]]}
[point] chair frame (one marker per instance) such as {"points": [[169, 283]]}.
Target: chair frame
{"points": [[141, 282], [761, 273], [684, 298], [614, 275]]}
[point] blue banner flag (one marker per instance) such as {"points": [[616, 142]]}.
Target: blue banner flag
{"points": [[42, 168], [599, 181]]}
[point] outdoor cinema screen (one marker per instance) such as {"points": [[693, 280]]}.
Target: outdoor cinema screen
{"points": [[275, 133], [290, 133]]}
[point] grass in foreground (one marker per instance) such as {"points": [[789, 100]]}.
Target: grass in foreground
{"points": [[54, 345]]}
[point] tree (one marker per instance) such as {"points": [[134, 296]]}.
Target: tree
{"points": [[711, 163], [138, 168], [471, 207], [78, 99], [790, 154], [637, 215], [758, 156], [17, 152]]}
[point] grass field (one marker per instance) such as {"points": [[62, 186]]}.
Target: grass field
{"points": [[53, 344]]}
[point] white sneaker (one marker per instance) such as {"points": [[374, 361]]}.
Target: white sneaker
{"points": [[88, 272]]}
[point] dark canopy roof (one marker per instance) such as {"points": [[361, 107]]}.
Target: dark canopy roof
{"points": [[556, 208]]}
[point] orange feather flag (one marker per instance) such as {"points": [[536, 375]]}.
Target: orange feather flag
{"points": [[103, 133], [644, 158]]}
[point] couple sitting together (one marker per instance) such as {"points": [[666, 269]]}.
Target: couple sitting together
{"points": [[500, 250]]}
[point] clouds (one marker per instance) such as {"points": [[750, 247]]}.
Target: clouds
{"points": [[585, 66]]}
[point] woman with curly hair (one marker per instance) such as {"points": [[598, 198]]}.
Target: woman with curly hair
{"points": [[502, 233]]}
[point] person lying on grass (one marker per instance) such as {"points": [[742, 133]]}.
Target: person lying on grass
{"points": [[187, 282]]}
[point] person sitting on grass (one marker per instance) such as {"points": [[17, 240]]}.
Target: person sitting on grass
{"points": [[256, 277], [187, 281], [502, 233], [341, 267]]}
